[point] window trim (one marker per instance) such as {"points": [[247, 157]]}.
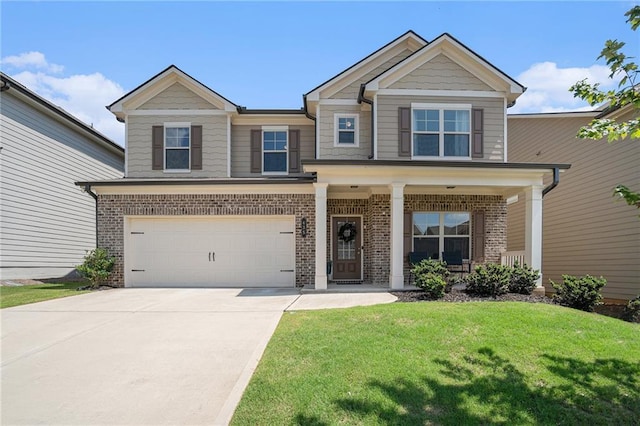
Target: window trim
{"points": [[441, 236], [356, 130], [286, 150], [441, 108], [175, 125]]}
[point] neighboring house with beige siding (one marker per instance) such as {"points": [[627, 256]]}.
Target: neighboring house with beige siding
{"points": [[402, 152], [585, 230], [46, 222]]}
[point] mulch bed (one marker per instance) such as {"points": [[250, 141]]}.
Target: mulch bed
{"points": [[614, 311]]}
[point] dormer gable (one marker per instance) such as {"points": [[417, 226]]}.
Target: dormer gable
{"points": [[446, 48], [170, 80]]}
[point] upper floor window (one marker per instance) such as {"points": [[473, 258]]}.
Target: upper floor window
{"points": [[441, 130], [177, 146], [346, 126], [274, 150]]}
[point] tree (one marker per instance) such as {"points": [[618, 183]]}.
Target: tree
{"points": [[627, 93]]}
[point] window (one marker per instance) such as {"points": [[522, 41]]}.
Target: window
{"points": [[274, 150], [177, 145], [441, 130], [346, 126], [434, 233]]}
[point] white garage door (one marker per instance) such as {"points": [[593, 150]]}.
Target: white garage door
{"points": [[239, 251]]}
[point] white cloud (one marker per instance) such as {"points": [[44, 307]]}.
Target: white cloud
{"points": [[35, 60], [548, 87], [82, 95]]}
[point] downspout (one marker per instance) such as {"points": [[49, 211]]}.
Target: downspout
{"points": [[87, 189], [315, 124], [361, 99], [556, 181]]}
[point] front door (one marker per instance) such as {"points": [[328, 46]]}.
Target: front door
{"points": [[347, 248]]}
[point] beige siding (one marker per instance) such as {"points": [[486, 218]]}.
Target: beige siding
{"points": [[387, 122], [440, 73], [214, 145], [47, 223], [241, 148], [327, 133], [351, 91], [585, 230], [177, 96]]}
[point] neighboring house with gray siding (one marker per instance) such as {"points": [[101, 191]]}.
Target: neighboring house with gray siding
{"points": [[46, 222], [585, 231], [405, 151]]}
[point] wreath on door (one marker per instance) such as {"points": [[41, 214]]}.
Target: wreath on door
{"points": [[347, 232]]}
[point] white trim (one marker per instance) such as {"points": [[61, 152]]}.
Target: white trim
{"points": [[275, 129], [374, 137], [337, 130], [447, 93], [423, 105], [569, 114], [512, 200], [320, 279], [284, 129], [164, 112], [238, 188], [318, 124], [332, 240], [126, 151], [350, 102], [174, 125], [228, 145], [504, 138], [396, 236], [441, 108]]}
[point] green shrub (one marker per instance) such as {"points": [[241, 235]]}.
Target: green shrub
{"points": [[489, 280], [431, 276], [579, 292], [523, 279], [97, 266], [632, 310]]}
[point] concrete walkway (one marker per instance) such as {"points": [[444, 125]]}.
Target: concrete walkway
{"points": [[143, 356]]}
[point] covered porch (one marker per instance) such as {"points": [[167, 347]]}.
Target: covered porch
{"points": [[371, 214]]}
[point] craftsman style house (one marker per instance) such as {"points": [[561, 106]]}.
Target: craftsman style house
{"points": [[405, 151]]}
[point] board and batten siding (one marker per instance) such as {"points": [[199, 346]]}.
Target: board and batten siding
{"points": [[241, 147], [214, 145], [387, 122], [47, 223], [585, 230], [327, 133], [177, 96], [351, 91]]}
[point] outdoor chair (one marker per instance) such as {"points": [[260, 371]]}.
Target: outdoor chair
{"points": [[455, 263], [414, 258]]}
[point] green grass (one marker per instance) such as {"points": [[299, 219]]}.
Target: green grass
{"points": [[447, 364], [15, 296]]}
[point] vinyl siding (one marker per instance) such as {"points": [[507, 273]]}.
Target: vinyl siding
{"points": [[241, 148], [214, 146], [351, 91], [46, 222], [327, 133], [177, 96], [440, 73], [387, 122], [586, 231]]}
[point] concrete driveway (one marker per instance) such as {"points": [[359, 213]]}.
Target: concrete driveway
{"points": [[142, 356]]}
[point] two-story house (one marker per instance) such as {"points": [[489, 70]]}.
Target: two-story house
{"points": [[404, 151]]}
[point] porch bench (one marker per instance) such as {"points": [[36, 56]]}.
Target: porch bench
{"points": [[455, 263]]}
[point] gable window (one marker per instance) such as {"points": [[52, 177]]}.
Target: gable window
{"points": [[177, 146], [274, 150], [347, 131], [435, 232], [441, 130]]}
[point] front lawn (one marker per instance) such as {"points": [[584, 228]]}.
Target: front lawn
{"points": [[14, 296], [447, 363]]}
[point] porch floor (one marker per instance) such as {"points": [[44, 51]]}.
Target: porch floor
{"points": [[356, 288]]}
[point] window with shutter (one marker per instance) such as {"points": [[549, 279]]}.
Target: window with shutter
{"points": [[441, 131]]}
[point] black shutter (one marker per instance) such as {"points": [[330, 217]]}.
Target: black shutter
{"points": [[294, 151], [157, 148], [477, 127], [478, 236], [407, 234], [256, 151], [196, 147], [404, 132]]}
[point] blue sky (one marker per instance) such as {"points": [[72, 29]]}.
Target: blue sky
{"points": [[84, 55]]}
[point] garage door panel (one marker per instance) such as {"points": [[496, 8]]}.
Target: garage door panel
{"points": [[242, 251]]}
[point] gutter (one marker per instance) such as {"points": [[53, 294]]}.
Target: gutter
{"points": [[87, 189], [556, 181], [315, 123], [361, 99]]}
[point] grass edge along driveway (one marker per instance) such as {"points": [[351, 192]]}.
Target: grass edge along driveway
{"points": [[447, 363], [32, 293]]}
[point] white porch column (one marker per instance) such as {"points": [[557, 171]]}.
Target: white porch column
{"points": [[533, 229], [321, 236], [396, 273]]}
